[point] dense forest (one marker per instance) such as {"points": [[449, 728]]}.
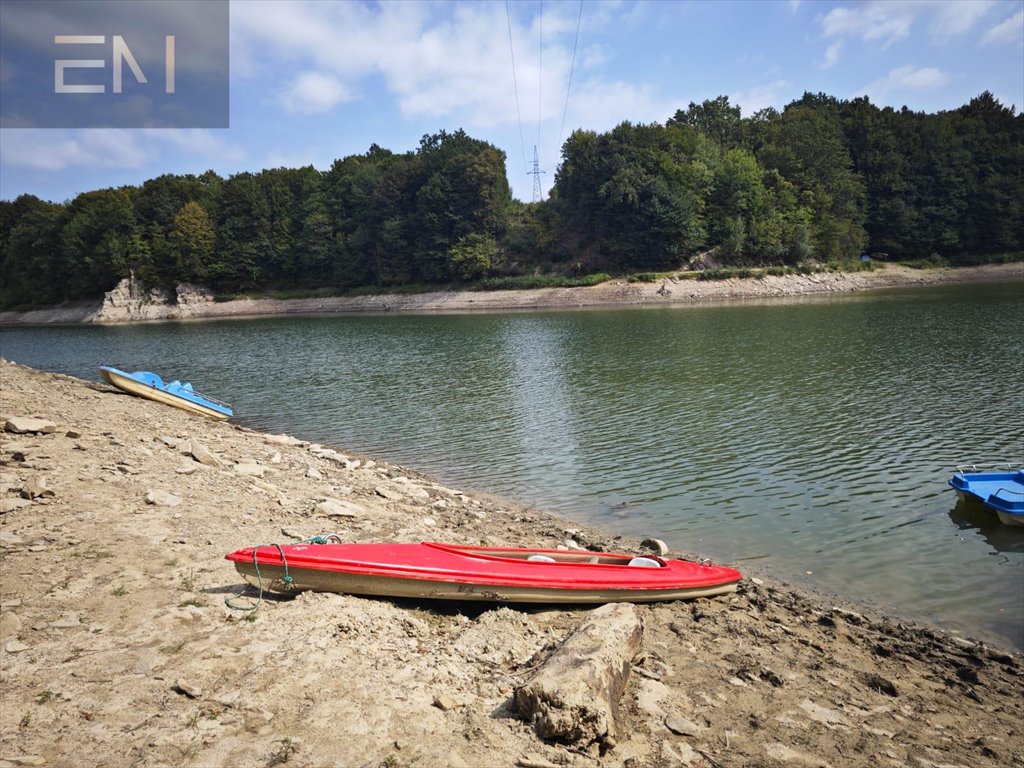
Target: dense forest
{"points": [[824, 180]]}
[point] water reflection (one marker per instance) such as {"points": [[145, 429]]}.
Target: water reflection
{"points": [[970, 515]]}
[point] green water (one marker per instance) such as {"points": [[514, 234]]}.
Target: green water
{"points": [[787, 436]]}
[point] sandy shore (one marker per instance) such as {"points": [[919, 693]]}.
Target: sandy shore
{"points": [[117, 647], [127, 304]]}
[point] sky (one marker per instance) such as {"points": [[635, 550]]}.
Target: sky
{"points": [[313, 80]]}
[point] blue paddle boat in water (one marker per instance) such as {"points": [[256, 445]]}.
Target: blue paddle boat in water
{"points": [[1001, 492], [151, 386]]}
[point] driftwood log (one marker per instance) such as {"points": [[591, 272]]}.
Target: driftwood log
{"points": [[574, 697]]}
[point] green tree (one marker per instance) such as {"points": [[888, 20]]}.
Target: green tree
{"points": [[192, 238]]}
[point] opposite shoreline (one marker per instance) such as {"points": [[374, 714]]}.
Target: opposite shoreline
{"points": [[118, 648], [127, 304]]}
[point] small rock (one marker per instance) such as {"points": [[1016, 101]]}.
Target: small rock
{"points": [[655, 545], [10, 505], [250, 470], [444, 702], [228, 699], [388, 493], [161, 499], [24, 759], [35, 487], [15, 646], [532, 761], [757, 581], [281, 439], [314, 473], [189, 689], [276, 458], [830, 718], [681, 726], [26, 424], [292, 533], [203, 455], [187, 469], [429, 521], [67, 622], [72, 434], [338, 508]]}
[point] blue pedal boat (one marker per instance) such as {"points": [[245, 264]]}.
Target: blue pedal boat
{"points": [[151, 386], [1001, 492]]}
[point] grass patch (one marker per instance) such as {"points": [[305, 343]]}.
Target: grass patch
{"points": [[174, 648], [645, 277], [725, 273], [286, 748], [188, 580], [529, 282]]}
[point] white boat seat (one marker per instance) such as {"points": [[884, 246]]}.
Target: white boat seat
{"points": [[541, 559], [644, 562]]}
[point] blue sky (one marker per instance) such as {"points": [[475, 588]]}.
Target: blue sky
{"points": [[312, 81]]}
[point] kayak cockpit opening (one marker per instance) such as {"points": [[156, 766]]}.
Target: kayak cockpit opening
{"points": [[553, 556]]}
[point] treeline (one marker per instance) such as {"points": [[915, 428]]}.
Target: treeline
{"points": [[823, 180]]}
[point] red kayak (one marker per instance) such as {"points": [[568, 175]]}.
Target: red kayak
{"points": [[454, 572]]}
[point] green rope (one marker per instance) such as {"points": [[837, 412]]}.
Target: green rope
{"points": [[284, 561], [231, 602]]}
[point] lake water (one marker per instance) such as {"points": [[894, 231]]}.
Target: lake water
{"points": [[812, 435]]}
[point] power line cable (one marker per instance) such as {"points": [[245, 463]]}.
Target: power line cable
{"points": [[515, 86], [572, 66], [540, 69]]}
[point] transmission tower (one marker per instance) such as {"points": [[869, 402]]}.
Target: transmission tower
{"points": [[536, 172]]}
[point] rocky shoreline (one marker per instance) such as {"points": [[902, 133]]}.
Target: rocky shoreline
{"points": [[128, 302], [117, 647]]}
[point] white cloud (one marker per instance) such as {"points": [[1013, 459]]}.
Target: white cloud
{"points": [[906, 78], [760, 96], [1010, 30], [198, 143], [58, 150], [794, 5], [889, 21], [599, 105], [832, 54], [957, 18], [454, 62], [313, 92], [55, 150]]}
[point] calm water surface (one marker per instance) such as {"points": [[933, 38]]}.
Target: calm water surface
{"points": [[791, 437]]}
